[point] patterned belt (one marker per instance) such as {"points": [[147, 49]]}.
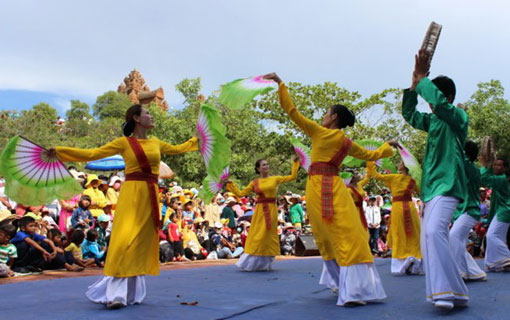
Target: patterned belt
{"points": [[406, 199], [327, 171], [265, 208], [151, 180]]}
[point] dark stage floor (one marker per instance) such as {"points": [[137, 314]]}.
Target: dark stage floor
{"points": [[291, 291]]}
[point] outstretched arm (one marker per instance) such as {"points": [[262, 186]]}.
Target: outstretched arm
{"points": [[359, 152], [231, 186], [170, 149], [80, 155]]}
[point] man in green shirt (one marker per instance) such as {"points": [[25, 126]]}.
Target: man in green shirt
{"points": [[468, 215], [229, 213], [444, 179], [497, 256], [296, 212]]}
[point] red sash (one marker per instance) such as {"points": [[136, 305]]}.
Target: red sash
{"points": [[406, 199], [145, 175], [359, 204], [261, 199], [329, 170]]}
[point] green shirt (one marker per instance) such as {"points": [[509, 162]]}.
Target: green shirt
{"points": [[443, 164], [472, 204], [500, 198], [229, 213], [296, 213]]}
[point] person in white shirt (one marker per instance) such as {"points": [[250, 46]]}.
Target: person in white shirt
{"points": [[373, 216]]}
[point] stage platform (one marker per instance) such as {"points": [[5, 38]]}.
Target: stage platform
{"points": [[291, 291]]}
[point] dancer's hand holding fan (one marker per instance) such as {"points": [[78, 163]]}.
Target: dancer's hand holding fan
{"points": [[35, 176]]}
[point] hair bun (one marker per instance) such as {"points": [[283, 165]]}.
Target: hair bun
{"points": [[128, 128]]}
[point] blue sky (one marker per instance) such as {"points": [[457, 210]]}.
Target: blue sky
{"points": [[55, 51]]}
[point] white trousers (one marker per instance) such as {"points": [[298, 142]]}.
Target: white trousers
{"points": [[459, 233], [409, 264], [497, 253], [359, 282], [129, 290], [442, 278], [254, 263]]}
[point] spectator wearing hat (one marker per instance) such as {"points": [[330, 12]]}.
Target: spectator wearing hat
{"points": [[296, 212], [229, 213], [112, 194], [212, 212], [97, 197], [192, 248], [103, 221]]}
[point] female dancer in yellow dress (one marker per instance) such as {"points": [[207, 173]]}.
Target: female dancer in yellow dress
{"points": [[358, 194], [337, 228], [262, 244], [133, 251], [404, 233]]}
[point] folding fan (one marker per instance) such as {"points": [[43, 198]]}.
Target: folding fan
{"points": [[237, 93], [32, 177], [370, 145], [411, 163], [302, 151]]}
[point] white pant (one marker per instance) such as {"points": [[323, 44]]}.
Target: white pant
{"points": [[359, 282], [459, 233], [249, 262], [409, 264], [497, 253], [442, 278], [129, 290]]}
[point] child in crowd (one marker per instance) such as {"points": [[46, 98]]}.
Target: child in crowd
{"points": [[192, 248], [188, 211], [36, 252], [90, 248], [101, 228], [8, 252], [73, 247], [56, 236], [175, 237], [82, 217]]}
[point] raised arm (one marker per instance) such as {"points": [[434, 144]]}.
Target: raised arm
{"points": [[418, 120], [372, 172], [231, 186], [359, 152], [309, 127], [293, 174], [364, 181], [80, 155], [491, 180], [190, 145], [453, 116]]}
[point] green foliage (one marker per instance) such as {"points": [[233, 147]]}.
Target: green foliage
{"points": [[261, 130], [489, 115], [111, 105]]}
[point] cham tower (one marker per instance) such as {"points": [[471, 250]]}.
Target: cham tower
{"points": [[136, 89]]}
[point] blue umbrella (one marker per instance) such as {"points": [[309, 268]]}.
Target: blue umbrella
{"points": [[107, 164]]}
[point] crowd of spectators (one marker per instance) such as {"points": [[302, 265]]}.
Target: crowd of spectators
{"points": [[74, 234]]}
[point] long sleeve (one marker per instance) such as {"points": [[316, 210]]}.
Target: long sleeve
{"points": [[488, 178], [75, 218], [364, 181], [308, 126], [453, 116], [372, 171], [95, 250], [231, 186], [293, 174], [418, 120], [359, 152], [190, 145], [74, 154]]}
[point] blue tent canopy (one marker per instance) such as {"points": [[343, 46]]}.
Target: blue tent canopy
{"points": [[107, 164]]}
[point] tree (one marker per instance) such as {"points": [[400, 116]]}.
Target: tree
{"points": [[111, 105], [489, 115], [79, 110]]}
